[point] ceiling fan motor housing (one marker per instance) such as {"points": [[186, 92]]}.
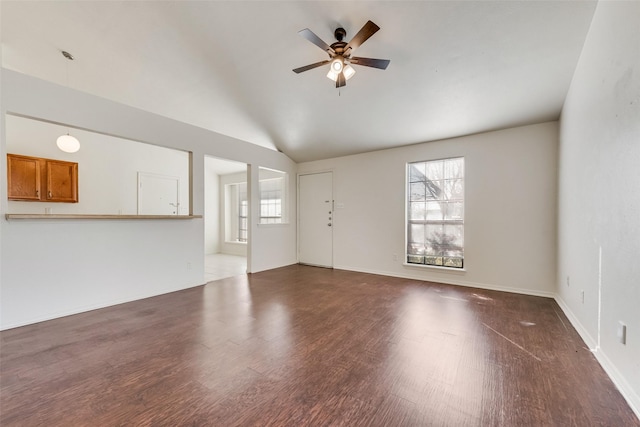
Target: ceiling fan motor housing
{"points": [[340, 33]]}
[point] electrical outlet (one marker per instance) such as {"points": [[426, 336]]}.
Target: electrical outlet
{"points": [[188, 266], [582, 296], [395, 257], [568, 281], [622, 333]]}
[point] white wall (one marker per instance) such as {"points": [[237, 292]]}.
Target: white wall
{"points": [[510, 209], [599, 194], [271, 234], [107, 167], [212, 216], [51, 268]]}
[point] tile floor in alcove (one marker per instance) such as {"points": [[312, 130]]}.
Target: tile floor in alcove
{"points": [[220, 266]]}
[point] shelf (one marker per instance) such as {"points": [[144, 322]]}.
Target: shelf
{"points": [[79, 216]]}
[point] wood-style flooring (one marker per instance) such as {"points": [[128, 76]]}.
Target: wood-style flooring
{"points": [[305, 346]]}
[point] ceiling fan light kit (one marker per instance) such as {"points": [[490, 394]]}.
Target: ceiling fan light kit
{"points": [[340, 59], [338, 65]]}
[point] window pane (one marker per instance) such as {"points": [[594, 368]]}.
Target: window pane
{"points": [[418, 211], [415, 249], [434, 211], [453, 189], [416, 234], [417, 191], [453, 239], [434, 189], [416, 172], [434, 238], [454, 211], [431, 248], [454, 168], [435, 170]]}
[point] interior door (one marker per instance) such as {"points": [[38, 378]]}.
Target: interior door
{"points": [[315, 219], [157, 194]]}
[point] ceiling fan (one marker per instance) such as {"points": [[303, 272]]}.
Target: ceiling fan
{"points": [[340, 53]]}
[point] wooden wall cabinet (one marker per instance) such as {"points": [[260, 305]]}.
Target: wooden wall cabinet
{"points": [[41, 180]]}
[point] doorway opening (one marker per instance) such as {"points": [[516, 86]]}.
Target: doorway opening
{"points": [[226, 208]]}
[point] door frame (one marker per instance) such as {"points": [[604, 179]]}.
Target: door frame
{"points": [[333, 211]]}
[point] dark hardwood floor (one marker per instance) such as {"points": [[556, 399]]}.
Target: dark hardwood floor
{"points": [[305, 346]]}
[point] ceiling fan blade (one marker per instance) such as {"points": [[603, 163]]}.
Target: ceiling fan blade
{"points": [[365, 32], [311, 66], [341, 80], [311, 36], [371, 62]]}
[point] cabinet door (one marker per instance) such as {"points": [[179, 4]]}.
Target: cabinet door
{"points": [[23, 178], [62, 181]]}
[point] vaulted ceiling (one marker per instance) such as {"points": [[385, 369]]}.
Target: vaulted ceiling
{"points": [[457, 67]]}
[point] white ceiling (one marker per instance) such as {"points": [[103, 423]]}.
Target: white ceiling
{"points": [[223, 167], [457, 68]]}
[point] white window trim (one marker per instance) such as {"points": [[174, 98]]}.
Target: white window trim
{"points": [[406, 220]]}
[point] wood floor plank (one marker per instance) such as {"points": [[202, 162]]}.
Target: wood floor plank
{"points": [[305, 346]]}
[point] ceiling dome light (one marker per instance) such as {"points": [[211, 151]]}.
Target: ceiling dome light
{"points": [[68, 143]]}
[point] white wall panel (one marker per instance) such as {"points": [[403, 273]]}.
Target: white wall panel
{"points": [[510, 209], [599, 194], [98, 263]]}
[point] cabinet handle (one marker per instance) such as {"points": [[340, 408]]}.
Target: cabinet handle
{"points": [[49, 194], [37, 193]]}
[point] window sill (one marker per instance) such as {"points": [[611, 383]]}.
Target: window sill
{"points": [[279, 224], [436, 267], [233, 242]]}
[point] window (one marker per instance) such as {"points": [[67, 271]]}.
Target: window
{"points": [[435, 213], [273, 196], [243, 214], [236, 212]]}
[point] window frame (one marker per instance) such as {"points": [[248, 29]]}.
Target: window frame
{"points": [[267, 174], [448, 254], [235, 223]]}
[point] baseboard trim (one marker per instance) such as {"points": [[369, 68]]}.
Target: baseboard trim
{"points": [[591, 342], [456, 282], [609, 367]]}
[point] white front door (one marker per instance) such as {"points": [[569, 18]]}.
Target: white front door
{"points": [[315, 219], [157, 194]]}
